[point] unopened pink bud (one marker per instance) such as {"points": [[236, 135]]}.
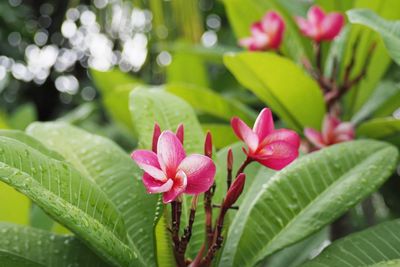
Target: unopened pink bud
{"points": [[156, 135], [180, 132], [230, 160], [208, 145], [234, 191]]}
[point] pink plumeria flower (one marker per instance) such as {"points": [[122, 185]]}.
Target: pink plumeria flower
{"points": [[265, 34], [333, 131], [272, 148], [320, 26], [171, 172]]}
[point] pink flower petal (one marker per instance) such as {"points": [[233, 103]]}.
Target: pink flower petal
{"points": [[200, 172], [303, 24], [180, 183], [274, 26], [278, 155], [284, 135], [245, 133], [314, 137], [170, 152], [246, 42], [315, 15], [264, 124], [156, 186], [345, 128], [331, 26], [328, 127], [180, 132], [148, 161]]}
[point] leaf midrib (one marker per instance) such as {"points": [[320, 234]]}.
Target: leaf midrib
{"points": [[86, 171], [257, 256]]}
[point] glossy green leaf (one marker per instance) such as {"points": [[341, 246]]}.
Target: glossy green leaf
{"points": [[242, 14], [23, 116], [165, 256], [187, 68], [379, 60], [27, 247], [380, 128], [148, 106], [68, 197], [335, 5], [376, 246], [300, 252], [210, 102], [284, 87], [304, 197], [102, 161], [222, 134], [115, 87], [389, 31], [381, 96]]}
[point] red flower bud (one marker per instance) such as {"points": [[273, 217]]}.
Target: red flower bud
{"points": [[234, 191], [156, 135], [180, 132], [208, 145], [230, 160]]}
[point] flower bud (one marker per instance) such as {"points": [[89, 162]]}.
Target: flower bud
{"points": [[229, 165], [234, 191], [208, 145], [156, 135], [180, 132]]}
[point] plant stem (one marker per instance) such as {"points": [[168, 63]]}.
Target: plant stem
{"points": [[247, 161], [208, 216], [217, 240], [187, 233], [318, 57], [176, 211]]}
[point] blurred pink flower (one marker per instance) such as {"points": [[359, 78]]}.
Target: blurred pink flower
{"points": [[265, 34], [320, 26], [171, 172], [272, 148], [333, 131]]}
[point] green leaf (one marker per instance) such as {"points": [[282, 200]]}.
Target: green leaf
{"points": [[68, 197], [242, 14], [389, 31], [300, 252], [211, 102], [304, 197], [155, 105], [380, 128], [382, 94], [148, 106], [24, 246], [284, 87], [376, 246], [23, 116], [165, 256], [187, 68], [335, 5], [222, 134], [115, 87], [379, 60], [103, 162]]}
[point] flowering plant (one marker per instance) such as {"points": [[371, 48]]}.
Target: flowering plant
{"points": [[318, 164]]}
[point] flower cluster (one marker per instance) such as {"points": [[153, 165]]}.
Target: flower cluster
{"points": [[168, 170], [333, 131], [267, 34], [171, 172]]}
